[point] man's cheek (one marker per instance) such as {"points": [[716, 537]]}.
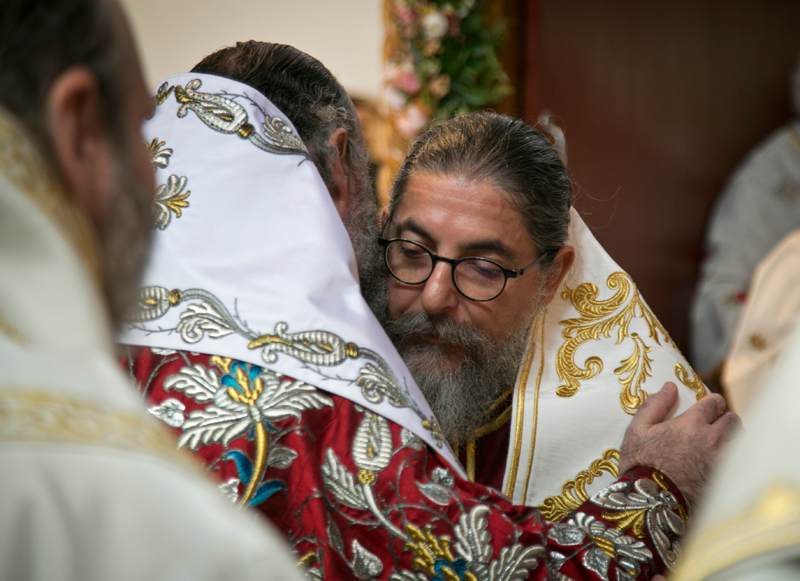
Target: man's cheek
{"points": [[401, 299]]}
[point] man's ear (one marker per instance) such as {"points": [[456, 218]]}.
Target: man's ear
{"points": [[384, 216], [340, 173], [80, 141], [561, 265]]}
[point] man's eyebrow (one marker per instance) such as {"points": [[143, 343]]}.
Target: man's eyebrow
{"points": [[476, 246], [411, 226], [489, 245]]}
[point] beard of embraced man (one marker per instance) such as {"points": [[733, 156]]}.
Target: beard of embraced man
{"points": [[464, 372]]}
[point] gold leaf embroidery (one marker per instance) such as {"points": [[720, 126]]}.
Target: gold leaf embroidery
{"points": [[633, 520], [692, 382], [573, 492], [598, 319]]}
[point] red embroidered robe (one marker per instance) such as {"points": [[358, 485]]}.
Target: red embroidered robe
{"points": [[358, 496]]}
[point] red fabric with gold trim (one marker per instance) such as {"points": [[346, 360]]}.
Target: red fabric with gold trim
{"points": [[359, 496]]}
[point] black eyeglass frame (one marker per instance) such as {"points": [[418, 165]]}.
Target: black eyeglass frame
{"points": [[454, 262]]}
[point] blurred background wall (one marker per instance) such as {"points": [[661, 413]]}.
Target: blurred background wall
{"points": [[346, 35], [659, 102]]}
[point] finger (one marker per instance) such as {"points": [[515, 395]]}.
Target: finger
{"points": [[708, 409], [730, 423], [656, 407], [658, 578]]}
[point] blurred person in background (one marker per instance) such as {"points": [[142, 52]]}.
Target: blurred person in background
{"points": [[91, 486], [770, 314], [760, 205]]}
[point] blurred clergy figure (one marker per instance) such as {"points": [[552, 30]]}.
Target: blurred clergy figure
{"points": [[91, 486]]}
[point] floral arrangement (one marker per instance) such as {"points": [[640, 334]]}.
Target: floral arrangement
{"points": [[442, 62]]}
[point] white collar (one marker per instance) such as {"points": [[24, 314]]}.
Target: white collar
{"points": [[251, 260]]}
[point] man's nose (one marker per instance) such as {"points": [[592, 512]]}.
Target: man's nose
{"points": [[439, 295]]}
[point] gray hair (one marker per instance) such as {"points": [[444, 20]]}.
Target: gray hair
{"points": [[512, 156], [304, 90]]}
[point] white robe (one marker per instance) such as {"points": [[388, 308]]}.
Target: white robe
{"points": [[758, 208], [90, 485], [749, 526], [771, 312]]}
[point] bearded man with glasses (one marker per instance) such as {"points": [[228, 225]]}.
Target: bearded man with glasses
{"points": [[533, 362]]}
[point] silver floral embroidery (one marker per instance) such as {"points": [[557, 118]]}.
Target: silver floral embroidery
{"points": [[655, 505], [227, 419], [210, 317], [365, 564], [159, 155], [230, 490], [341, 483], [170, 199], [372, 445], [566, 535], [443, 477], [171, 412], [163, 352], [627, 551], [597, 561], [225, 115]]}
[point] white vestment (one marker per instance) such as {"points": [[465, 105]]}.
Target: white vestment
{"points": [[594, 356], [91, 486], [758, 208], [771, 312], [749, 526]]}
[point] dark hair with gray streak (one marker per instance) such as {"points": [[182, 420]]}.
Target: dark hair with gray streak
{"points": [[41, 39], [512, 156], [302, 88]]}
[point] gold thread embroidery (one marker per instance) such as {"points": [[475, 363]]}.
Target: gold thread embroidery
{"points": [[772, 524], [535, 418], [523, 382], [633, 520], [45, 418], [492, 426], [429, 549], [598, 318], [606, 545], [692, 382], [307, 560], [573, 492]]}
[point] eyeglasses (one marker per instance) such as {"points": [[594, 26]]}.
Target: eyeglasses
{"points": [[478, 279]]}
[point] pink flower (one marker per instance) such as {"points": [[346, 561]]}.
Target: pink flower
{"points": [[407, 81], [411, 121], [405, 15]]}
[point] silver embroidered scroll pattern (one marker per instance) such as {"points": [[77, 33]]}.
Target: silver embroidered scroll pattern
{"points": [[647, 505], [225, 115], [322, 348]]}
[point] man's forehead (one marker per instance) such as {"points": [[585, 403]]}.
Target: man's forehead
{"points": [[473, 215]]}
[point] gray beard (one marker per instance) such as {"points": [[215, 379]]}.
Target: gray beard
{"points": [[125, 236], [463, 377]]}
